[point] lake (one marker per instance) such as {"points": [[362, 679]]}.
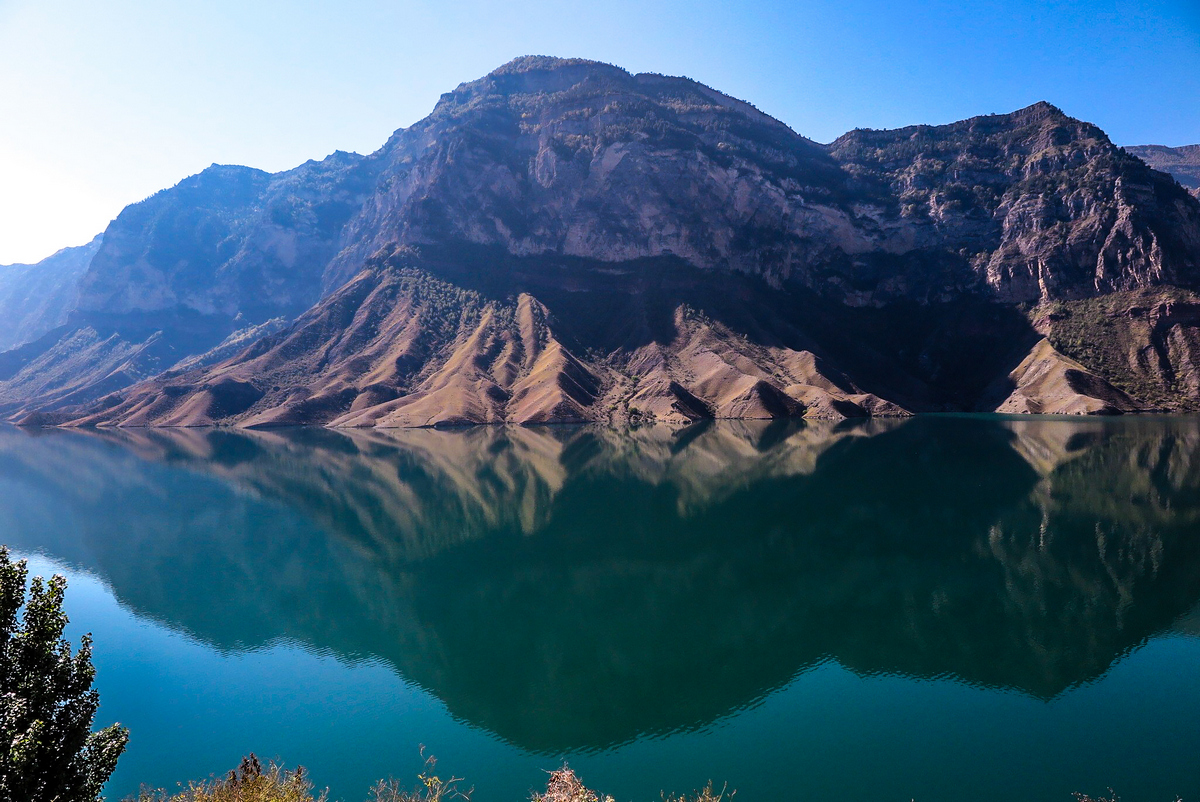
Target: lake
{"points": [[939, 608]]}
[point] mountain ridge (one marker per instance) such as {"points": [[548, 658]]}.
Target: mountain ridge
{"points": [[738, 269]]}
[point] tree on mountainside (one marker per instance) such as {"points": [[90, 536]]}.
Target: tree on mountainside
{"points": [[48, 752]]}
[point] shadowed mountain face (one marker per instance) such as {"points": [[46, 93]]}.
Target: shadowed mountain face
{"points": [[572, 588], [564, 241]]}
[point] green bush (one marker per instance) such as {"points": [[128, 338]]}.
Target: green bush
{"points": [[48, 752]]}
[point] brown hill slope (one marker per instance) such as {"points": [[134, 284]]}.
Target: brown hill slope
{"points": [[398, 346]]}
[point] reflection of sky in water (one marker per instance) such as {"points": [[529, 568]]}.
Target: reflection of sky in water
{"points": [[259, 606]]}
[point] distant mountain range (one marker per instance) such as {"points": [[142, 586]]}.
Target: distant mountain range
{"points": [[1183, 163], [37, 298], [562, 241]]}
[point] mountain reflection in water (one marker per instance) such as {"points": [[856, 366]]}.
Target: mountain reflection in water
{"points": [[574, 588]]}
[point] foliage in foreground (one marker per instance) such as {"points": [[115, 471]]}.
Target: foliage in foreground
{"points": [[48, 752], [249, 782], [252, 782], [1112, 797], [565, 786], [432, 788]]}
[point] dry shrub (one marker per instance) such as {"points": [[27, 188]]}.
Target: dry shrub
{"points": [[705, 795], [250, 782], [1112, 797], [432, 788], [564, 786]]}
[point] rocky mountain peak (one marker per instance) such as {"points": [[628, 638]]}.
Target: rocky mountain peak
{"points": [[536, 63], [534, 85], [1041, 110], [532, 76], [584, 159], [1030, 130]]}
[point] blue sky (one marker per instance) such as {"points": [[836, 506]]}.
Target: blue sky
{"points": [[101, 104]]}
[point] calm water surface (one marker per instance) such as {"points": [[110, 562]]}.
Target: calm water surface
{"points": [[934, 609]]}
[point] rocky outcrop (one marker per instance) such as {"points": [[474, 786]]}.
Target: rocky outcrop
{"points": [[1145, 343], [1038, 206], [598, 245]]}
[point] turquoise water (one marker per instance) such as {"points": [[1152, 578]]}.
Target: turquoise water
{"points": [[933, 609]]}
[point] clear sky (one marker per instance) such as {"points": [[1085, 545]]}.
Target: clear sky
{"points": [[103, 103]]}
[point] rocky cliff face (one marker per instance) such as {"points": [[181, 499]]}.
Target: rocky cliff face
{"points": [[1040, 206], [228, 242], [562, 240], [580, 159], [583, 159]]}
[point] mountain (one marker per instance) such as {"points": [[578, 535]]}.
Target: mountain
{"points": [[188, 275], [562, 240], [1183, 163], [37, 298]]}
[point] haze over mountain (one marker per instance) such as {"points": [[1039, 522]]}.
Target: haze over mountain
{"points": [[562, 240], [37, 298]]}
